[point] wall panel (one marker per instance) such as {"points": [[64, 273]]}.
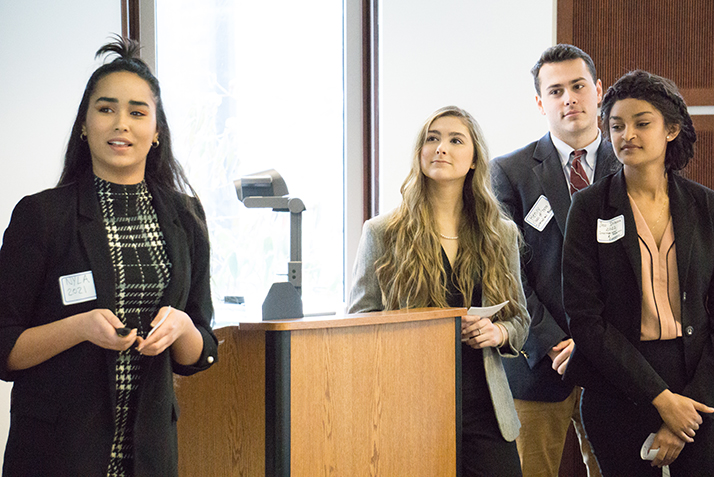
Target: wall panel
{"points": [[671, 39]]}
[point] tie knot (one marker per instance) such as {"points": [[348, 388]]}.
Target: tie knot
{"points": [[579, 154]]}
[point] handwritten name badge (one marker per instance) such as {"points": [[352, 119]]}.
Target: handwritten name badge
{"points": [[540, 214], [612, 230], [77, 288]]}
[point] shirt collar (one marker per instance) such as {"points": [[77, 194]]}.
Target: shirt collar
{"points": [[564, 150]]}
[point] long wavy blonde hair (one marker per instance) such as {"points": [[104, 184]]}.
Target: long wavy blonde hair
{"points": [[411, 273]]}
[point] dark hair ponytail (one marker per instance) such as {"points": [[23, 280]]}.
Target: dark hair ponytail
{"points": [[163, 171]]}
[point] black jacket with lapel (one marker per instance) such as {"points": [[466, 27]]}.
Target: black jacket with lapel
{"points": [[62, 410], [602, 290], [519, 180]]}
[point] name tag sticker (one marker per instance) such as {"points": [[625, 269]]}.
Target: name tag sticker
{"points": [[540, 214], [612, 230], [77, 288]]}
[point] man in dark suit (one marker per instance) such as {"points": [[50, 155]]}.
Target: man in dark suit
{"points": [[535, 184]]}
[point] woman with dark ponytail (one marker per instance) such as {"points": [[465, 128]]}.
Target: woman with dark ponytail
{"points": [[105, 291]]}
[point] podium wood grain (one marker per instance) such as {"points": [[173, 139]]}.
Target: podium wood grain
{"points": [[369, 395]]}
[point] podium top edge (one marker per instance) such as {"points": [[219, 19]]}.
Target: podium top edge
{"points": [[357, 319]]}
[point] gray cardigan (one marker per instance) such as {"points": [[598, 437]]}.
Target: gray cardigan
{"points": [[366, 296]]}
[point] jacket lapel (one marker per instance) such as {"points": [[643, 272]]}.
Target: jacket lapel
{"points": [[620, 202], [176, 249], [550, 174], [684, 221], [606, 163], [93, 237]]}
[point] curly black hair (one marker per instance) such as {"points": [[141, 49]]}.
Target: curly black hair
{"points": [[663, 94]]}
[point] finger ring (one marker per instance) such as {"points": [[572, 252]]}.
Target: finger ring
{"points": [[478, 332]]}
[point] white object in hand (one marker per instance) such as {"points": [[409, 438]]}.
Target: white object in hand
{"points": [[486, 311], [647, 453], [161, 322]]}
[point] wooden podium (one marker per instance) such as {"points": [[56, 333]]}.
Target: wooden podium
{"points": [[373, 394]]}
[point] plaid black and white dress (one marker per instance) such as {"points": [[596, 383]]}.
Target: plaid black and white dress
{"points": [[141, 272]]}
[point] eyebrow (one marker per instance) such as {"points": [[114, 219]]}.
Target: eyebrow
{"points": [[560, 85], [115, 100], [636, 115], [454, 133]]}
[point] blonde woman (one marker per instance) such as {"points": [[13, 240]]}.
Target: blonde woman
{"points": [[449, 244]]}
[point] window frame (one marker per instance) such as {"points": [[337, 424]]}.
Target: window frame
{"points": [[361, 109]]}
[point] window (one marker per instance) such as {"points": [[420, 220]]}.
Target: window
{"points": [[250, 86]]}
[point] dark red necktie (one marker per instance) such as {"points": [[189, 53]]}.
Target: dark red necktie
{"points": [[578, 177]]}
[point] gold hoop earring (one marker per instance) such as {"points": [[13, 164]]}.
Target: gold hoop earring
{"points": [[83, 136], [155, 144]]}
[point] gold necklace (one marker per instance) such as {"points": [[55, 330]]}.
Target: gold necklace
{"points": [[659, 217]]}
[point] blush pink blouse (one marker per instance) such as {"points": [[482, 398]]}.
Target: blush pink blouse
{"points": [[661, 306]]}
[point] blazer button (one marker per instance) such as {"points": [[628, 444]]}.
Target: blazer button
{"points": [[210, 360], [689, 331]]}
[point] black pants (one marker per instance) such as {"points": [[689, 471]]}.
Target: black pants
{"points": [[484, 451], [617, 428]]}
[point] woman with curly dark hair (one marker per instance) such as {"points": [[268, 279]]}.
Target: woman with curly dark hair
{"points": [[105, 291], [638, 289]]}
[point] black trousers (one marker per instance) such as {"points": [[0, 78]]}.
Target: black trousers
{"points": [[617, 428], [484, 451]]}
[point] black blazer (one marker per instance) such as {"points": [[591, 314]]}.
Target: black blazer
{"points": [[62, 410], [519, 179], [602, 290]]}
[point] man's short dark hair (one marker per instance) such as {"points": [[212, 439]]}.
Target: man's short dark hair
{"points": [[558, 53]]}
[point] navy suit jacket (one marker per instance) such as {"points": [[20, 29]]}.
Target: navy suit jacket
{"points": [[62, 410], [602, 290], [519, 180]]}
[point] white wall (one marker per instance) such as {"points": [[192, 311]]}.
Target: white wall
{"points": [[475, 54], [46, 57]]}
